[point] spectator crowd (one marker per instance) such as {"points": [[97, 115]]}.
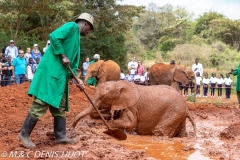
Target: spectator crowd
{"points": [[136, 72], [17, 65]]}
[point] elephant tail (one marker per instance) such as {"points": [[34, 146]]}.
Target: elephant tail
{"points": [[191, 119]]}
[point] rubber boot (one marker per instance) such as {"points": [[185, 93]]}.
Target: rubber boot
{"points": [[60, 131], [27, 127]]}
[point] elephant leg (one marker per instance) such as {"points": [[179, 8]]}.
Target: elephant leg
{"points": [[169, 127], [126, 121], [101, 80], [182, 130], [175, 85]]}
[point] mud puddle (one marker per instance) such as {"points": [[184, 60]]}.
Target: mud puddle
{"points": [[187, 148], [160, 150]]}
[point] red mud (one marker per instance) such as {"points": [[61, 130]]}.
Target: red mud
{"points": [[218, 131], [231, 132]]}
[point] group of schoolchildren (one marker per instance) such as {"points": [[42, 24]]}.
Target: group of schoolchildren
{"points": [[213, 83]]}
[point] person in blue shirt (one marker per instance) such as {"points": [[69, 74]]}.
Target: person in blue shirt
{"points": [[19, 68], [36, 53], [85, 66]]}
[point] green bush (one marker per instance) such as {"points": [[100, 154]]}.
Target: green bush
{"points": [[149, 55]]}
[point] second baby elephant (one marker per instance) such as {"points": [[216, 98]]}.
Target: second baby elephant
{"points": [[158, 109], [169, 74], [103, 71]]}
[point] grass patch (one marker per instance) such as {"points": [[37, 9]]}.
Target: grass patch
{"points": [[190, 98], [217, 102]]}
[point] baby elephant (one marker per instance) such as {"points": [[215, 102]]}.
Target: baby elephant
{"points": [[158, 110]]}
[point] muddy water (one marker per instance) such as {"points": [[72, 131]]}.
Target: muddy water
{"points": [[159, 150]]}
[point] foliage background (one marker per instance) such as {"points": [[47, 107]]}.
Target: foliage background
{"points": [[153, 34]]}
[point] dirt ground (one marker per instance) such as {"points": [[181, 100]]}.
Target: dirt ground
{"points": [[217, 122]]}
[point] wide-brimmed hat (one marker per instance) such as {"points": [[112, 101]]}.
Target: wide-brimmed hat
{"points": [[86, 16]]}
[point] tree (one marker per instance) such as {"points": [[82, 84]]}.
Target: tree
{"points": [[21, 18], [228, 31], [202, 25], [162, 23], [181, 13], [111, 23]]}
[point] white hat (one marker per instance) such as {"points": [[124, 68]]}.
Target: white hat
{"points": [[96, 56], [11, 41], [86, 16], [48, 41], [35, 45]]}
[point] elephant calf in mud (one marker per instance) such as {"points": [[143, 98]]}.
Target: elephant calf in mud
{"points": [[158, 110]]}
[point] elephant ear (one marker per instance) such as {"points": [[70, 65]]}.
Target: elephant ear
{"points": [[180, 75], [102, 69], [128, 95]]}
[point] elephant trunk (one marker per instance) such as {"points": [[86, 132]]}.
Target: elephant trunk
{"points": [[86, 79], [82, 114], [87, 111], [195, 90]]}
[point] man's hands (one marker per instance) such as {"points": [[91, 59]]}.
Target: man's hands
{"points": [[232, 70], [65, 61], [79, 83]]}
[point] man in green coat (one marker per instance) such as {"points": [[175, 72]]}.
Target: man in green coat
{"points": [[50, 83], [236, 72]]}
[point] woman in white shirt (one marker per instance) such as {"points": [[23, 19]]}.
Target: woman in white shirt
{"points": [[27, 55], [213, 81], [220, 82], [227, 82], [206, 82], [122, 75]]}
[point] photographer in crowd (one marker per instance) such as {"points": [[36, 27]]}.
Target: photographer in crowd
{"points": [[6, 68]]}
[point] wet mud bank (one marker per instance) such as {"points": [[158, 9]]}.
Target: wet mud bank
{"points": [[218, 130]]}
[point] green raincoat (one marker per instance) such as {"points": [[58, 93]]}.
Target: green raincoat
{"points": [[237, 73], [51, 78]]}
